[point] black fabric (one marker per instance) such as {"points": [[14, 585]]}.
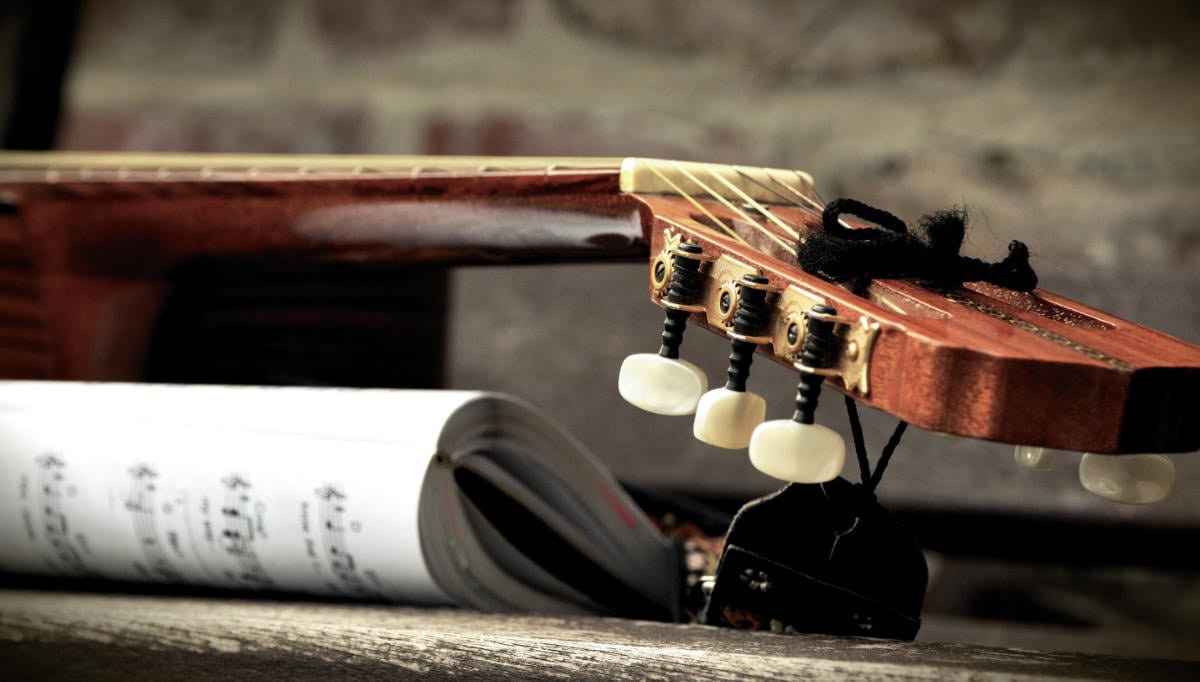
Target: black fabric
{"points": [[931, 255]]}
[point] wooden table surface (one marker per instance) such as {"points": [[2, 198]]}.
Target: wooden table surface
{"points": [[79, 635]]}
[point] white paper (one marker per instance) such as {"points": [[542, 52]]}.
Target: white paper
{"points": [[312, 490]]}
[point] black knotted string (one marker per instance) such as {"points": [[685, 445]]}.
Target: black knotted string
{"points": [[891, 251]]}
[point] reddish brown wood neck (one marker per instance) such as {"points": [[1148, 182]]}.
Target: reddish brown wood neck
{"points": [[88, 254]]}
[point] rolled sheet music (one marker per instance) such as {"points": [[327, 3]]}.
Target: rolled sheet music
{"points": [[433, 497]]}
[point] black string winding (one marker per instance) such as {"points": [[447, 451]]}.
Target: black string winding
{"points": [[932, 255], [870, 479]]}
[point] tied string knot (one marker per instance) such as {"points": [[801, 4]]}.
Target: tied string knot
{"points": [[893, 252]]}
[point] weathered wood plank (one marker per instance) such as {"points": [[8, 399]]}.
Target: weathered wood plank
{"points": [[58, 635]]}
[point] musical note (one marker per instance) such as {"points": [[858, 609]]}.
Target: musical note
{"points": [[238, 535], [234, 482], [329, 493], [139, 501], [54, 519], [330, 512], [142, 471]]}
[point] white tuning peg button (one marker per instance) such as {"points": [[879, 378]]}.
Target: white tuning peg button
{"points": [[1030, 457], [661, 385], [799, 453], [726, 418], [1129, 479]]}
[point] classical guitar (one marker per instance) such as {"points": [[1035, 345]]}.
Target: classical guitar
{"points": [[91, 245]]}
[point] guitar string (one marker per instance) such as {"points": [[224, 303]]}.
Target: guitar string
{"points": [[679, 190], [814, 208], [772, 190], [815, 204], [713, 193], [807, 205], [728, 204], [809, 190], [807, 208], [762, 210]]}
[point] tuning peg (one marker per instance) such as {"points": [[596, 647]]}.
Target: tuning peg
{"points": [[662, 383], [1129, 479], [796, 449], [1030, 457], [726, 417], [797, 452]]}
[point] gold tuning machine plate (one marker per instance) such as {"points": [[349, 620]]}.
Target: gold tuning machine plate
{"points": [[785, 329], [853, 361]]}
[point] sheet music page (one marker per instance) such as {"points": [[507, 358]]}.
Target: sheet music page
{"points": [[312, 490]]}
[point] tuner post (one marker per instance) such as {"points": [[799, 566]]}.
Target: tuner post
{"points": [[818, 349], [685, 288], [661, 382]]}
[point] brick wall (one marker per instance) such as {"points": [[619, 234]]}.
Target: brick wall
{"points": [[1071, 125]]}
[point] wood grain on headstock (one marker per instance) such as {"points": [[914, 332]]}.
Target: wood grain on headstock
{"points": [[92, 245], [979, 360]]}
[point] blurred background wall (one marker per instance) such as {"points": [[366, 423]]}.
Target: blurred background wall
{"points": [[1072, 125]]}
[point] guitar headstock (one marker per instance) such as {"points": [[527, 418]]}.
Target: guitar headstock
{"points": [[978, 360]]}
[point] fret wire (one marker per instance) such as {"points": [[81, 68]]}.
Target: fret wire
{"points": [[728, 204], [787, 229], [697, 204]]}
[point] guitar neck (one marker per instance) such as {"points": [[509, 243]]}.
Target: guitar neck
{"points": [[329, 208], [91, 245], [143, 215]]}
